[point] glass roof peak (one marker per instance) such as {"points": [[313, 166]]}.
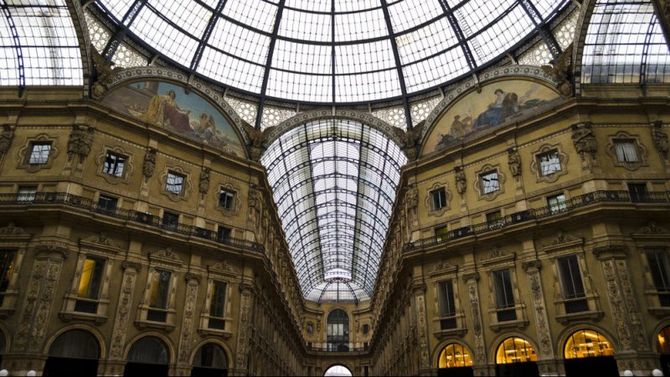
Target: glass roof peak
{"points": [[329, 51], [334, 182]]}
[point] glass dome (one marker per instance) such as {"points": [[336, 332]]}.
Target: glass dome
{"points": [[330, 51]]}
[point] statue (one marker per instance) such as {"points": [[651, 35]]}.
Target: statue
{"points": [[660, 138], [254, 204], [409, 140], [584, 140], [6, 139], [411, 197], [149, 165], [81, 140], [514, 162], [461, 184], [203, 185], [561, 71], [103, 72], [256, 142]]}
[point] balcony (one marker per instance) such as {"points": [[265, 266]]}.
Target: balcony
{"points": [[610, 196], [145, 218]]}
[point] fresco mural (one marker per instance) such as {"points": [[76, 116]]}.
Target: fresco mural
{"points": [[497, 104], [172, 107]]}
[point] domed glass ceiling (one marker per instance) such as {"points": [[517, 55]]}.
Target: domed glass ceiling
{"points": [[334, 182], [327, 51]]}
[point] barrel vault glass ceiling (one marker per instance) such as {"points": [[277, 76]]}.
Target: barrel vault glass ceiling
{"points": [[334, 182], [331, 51]]}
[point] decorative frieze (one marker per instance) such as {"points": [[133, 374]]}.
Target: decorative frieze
{"points": [[123, 308], [187, 329]]}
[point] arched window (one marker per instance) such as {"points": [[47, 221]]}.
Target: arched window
{"points": [[338, 331], [338, 370], [515, 350], [587, 343], [211, 356], [148, 350], [455, 355], [75, 344], [663, 341]]}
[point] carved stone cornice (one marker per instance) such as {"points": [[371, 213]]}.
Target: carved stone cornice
{"points": [[13, 232], [50, 250], [531, 265], [562, 241], [651, 230], [468, 276], [99, 242], [610, 251], [190, 276], [166, 256], [125, 265]]}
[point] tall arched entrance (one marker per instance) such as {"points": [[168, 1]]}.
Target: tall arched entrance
{"points": [[589, 350], [338, 371], [147, 357], [455, 361], [210, 361], [516, 357], [73, 353], [338, 331]]}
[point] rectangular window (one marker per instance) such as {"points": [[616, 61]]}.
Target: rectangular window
{"points": [[174, 183], [445, 298], [659, 266], [39, 153], [26, 193], [114, 164], [571, 284], [441, 233], [159, 292], [489, 182], [494, 219], [217, 306], [170, 220], [223, 233], [89, 285], [637, 192], [549, 162], [626, 150], [502, 282], [107, 203], [226, 199], [7, 260], [556, 203], [438, 198]]}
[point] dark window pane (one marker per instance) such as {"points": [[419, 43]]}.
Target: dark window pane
{"points": [[226, 199], [218, 299], [160, 286], [571, 278], [446, 299], [503, 288], [638, 192], [107, 203], [223, 233], [439, 198], [114, 164], [170, 220]]}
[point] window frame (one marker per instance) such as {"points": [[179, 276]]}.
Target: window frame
{"points": [[170, 186], [558, 207], [115, 173], [230, 198], [541, 164], [481, 179], [31, 153], [438, 198], [576, 302], [21, 193]]}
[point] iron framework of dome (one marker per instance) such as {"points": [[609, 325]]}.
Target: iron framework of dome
{"points": [[331, 51]]}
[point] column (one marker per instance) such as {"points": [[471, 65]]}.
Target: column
{"points": [[480, 364], [243, 347], [184, 365]]}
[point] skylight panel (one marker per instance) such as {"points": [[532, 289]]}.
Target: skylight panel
{"points": [[429, 40], [188, 14], [501, 36], [367, 86], [440, 68], [118, 8], [406, 14], [300, 87], [364, 57], [302, 57], [240, 42], [305, 26], [546, 7], [164, 37], [355, 5], [360, 25], [231, 71], [310, 5], [259, 15]]}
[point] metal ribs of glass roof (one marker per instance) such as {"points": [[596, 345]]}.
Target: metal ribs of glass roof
{"points": [[334, 183], [331, 51]]}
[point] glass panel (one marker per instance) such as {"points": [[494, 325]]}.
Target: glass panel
{"points": [[91, 278], [217, 308], [160, 286], [455, 355], [550, 163]]}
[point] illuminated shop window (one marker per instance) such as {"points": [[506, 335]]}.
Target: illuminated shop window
{"points": [[455, 355], [515, 350], [587, 343]]}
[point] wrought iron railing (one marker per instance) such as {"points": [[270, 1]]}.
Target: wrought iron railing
{"points": [[608, 196], [61, 198], [340, 347]]}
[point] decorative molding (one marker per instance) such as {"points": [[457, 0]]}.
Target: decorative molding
{"points": [[443, 267], [128, 165], [149, 163], [224, 268], [429, 200], [186, 188], [514, 162], [100, 241], [122, 317], [659, 137], [186, 336], [13, 231], [203, 181], [584, 140], [640, 150], [6, 137], [562, 241], [24, 153], [80, 142], [166, 256], [498, 256], [535, 165], [540, 312], [477, 328], [652, 228], [460, 180], [478, 186]]}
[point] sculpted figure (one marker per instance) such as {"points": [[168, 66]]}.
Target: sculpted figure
{"points": [[660, 138], [514, 162], [203, 185], [461, 184], [6, 139], [149, 165], [584, 140], [80, 142]]}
